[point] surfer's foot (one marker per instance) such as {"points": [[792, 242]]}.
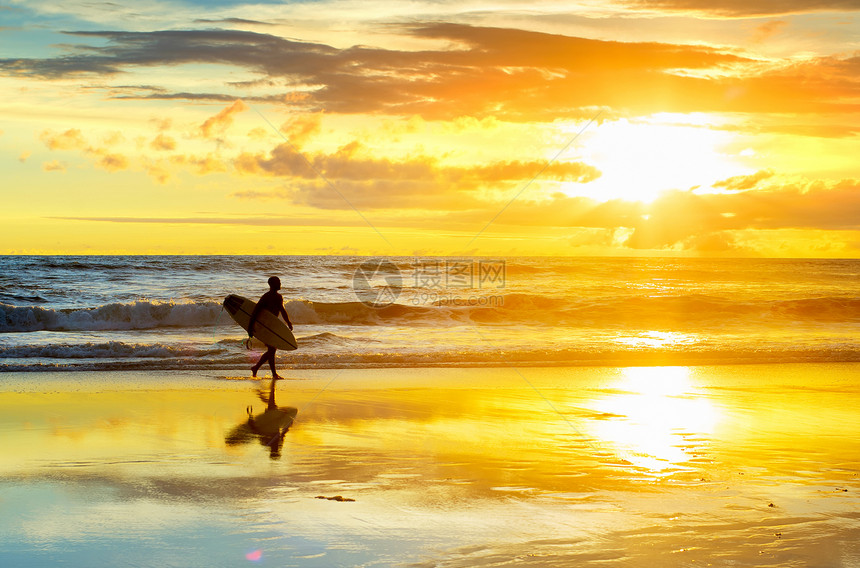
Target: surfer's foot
{"points": [[254, 372], [276, 377]]}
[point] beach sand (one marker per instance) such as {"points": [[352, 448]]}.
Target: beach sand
{"points": [[755, 465]]}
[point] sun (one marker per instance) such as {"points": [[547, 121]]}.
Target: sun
{"points": [[641, 159]]}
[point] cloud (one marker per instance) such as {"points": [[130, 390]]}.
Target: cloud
{"points": [[162, 124], [746, 9], [708, 223], [258, 133], [272, 221], [54, 166], [302, 128], [71, 139], [515, 74], [201, 165], [363, 181], [106, 156], [113, 138], [219, 123], [690, 221], [768, 29], [239, 21], [157, 171], [113, 162], [24, 155], [740, 183], [163, 142]]}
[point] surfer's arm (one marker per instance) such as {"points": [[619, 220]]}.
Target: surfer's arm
{"points": [[286, 317], [253, 319]]}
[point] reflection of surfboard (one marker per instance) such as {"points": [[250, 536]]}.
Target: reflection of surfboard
{"points": [[273, 420], [267, 427], [268, 328]]}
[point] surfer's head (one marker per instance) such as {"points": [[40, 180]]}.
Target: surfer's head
{"points": [[275, 283]]}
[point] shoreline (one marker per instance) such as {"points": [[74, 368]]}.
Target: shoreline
{"points": [[610, 360], [414, 375]]}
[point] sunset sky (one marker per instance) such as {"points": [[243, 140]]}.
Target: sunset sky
{"points": [[628, 127]]}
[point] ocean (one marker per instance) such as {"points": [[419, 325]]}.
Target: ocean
{"points": [[69, 313]]}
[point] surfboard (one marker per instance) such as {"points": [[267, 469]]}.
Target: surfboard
{"points": [[268, 328]]}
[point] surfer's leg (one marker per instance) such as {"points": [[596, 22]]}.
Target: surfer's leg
{"points": [[271, 354], [259, 363]]}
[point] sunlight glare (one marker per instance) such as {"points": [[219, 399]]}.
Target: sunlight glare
{"points": [[658, 414]]}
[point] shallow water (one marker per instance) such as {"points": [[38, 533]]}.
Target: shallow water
{"points": [[751, 465], [164, 312]]}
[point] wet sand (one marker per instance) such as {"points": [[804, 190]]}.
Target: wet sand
{"points": [[755, 465]]}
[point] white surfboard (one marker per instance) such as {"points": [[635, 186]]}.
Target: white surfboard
{"points": [[268, 328]]}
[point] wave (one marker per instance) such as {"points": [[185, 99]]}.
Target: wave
{"points": [[105, 350], [22, 298], [639, 312], [114, 316]]}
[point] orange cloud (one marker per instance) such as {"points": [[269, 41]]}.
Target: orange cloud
{"points": [[71, 139], [748, 8], [699, 221], [507, 73], [740, 183], [113, 162], [685, 220], [302, 128], [220, 122], [163, 142]]}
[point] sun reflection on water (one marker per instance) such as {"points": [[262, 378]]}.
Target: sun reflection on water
{"points": [[658, 421], [652, 339]]}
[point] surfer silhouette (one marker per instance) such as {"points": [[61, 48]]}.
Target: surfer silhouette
{"points": [[273, 302]]}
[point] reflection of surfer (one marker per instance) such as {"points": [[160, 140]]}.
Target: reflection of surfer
{"points": [[268, 427], [273, 302]]}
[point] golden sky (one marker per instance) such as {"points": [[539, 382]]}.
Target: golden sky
{"points": [[628, 127]]}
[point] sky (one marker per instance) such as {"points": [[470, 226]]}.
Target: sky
{"points": [[431, 127]]}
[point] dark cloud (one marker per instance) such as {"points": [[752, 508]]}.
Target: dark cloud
{"points": [[237, 21], [382, 183], [515, 74], [173, 47]]}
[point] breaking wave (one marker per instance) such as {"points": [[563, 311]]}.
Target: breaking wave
{"points": [[613, 311]]}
